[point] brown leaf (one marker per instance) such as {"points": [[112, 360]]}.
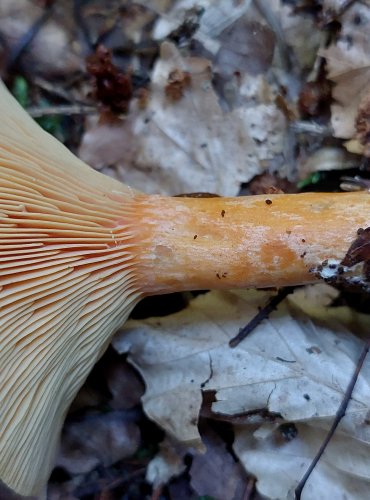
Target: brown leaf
{"points": [[216, 473], [124, 384], [98, 439], [359, 251]]}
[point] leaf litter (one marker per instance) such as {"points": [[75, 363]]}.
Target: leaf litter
{"points": [[178, 144]]}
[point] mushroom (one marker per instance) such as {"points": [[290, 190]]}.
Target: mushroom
{"points": [[78, 250]]}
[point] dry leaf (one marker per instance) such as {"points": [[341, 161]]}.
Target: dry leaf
{"points": [[213, 17], [98, 439], [216, 473], [348, 63], [296, 364], [280, 455], [183, 145], [246, 46], [167, 464], [334, 7]]}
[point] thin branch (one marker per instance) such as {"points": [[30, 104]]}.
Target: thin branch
{"points": [[301, 126], [261, 315], [81, 23], [66, 109]]}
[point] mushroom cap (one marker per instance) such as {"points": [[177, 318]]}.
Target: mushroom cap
{"points": [[67, 282]]}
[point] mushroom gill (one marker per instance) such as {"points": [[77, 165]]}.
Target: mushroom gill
{"points": [[67, 282]]}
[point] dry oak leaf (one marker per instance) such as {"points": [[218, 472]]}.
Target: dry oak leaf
{"points": [[292, 364], [296, 364]]}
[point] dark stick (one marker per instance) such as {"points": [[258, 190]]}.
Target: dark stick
{"points": [[338, 417], [28, 37], [80, 22], [261, 315]]}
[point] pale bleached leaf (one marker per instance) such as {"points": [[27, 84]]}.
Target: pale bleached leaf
{"points": [[189, 143], [288, 365], [297, 365]]}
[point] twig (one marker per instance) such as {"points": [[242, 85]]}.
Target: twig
{"points": [[157, 492], [52, 88], [66, 109], [250, 489], [80, 21], [261, 315], [300, 126], [93, 487], [338, 417]]}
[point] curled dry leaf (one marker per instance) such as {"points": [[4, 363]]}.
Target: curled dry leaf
{"points": [[296, 364]]}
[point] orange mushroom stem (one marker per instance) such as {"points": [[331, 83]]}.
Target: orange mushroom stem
{"points": [[78, 250], [252, 241]]}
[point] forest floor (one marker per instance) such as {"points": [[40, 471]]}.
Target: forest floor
{"points": [[226, 97]]}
